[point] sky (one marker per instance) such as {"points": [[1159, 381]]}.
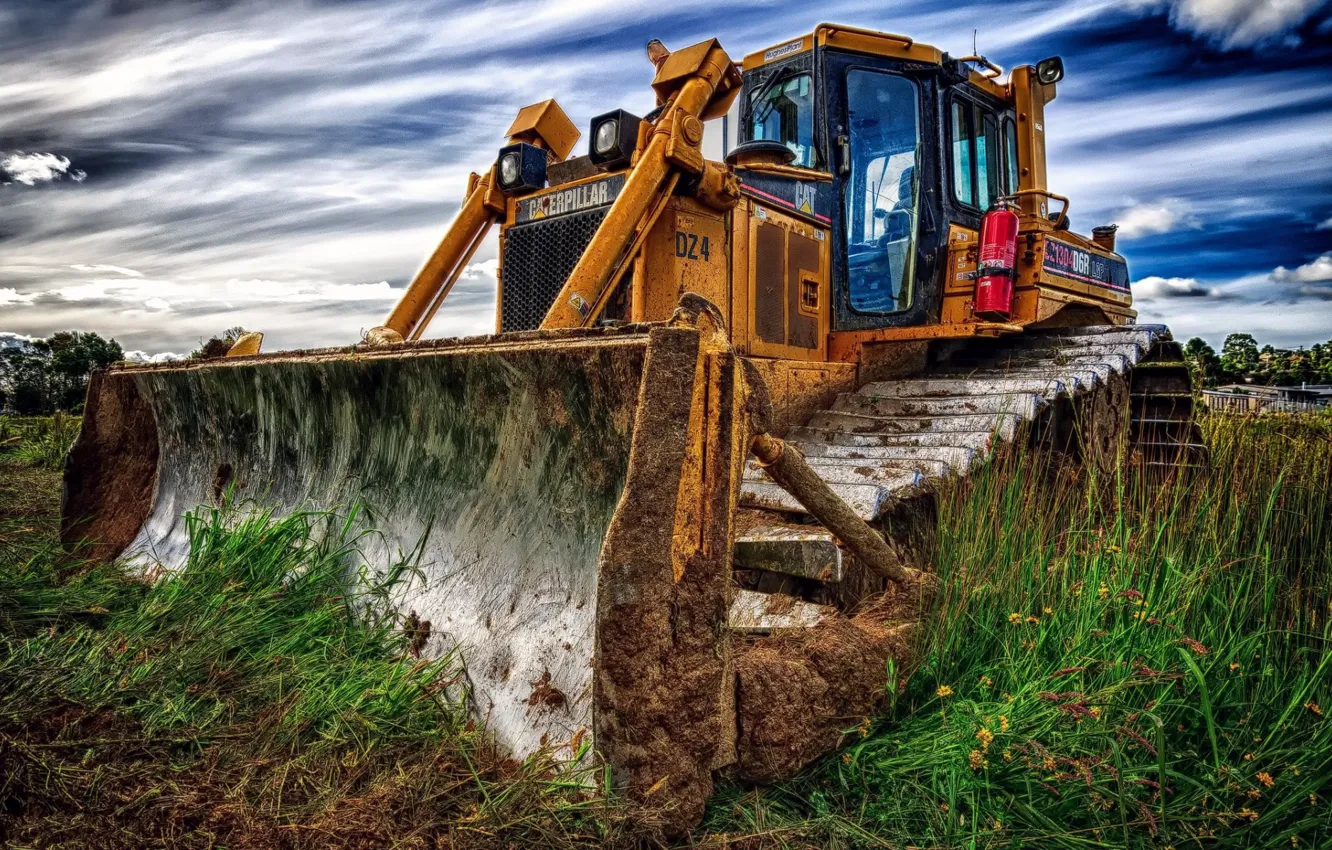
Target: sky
{"points": [[170, 169]]}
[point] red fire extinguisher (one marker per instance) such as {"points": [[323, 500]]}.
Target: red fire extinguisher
{"points": [[997, 266]]}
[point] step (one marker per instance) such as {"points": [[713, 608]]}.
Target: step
{"points": [[867, 500], [979, 441], [1083, 355], [804, 551], [1002, 424], [952, 458], [1081, 377], [754, 613], [863, 472], [963, 387], [1022, 405]]}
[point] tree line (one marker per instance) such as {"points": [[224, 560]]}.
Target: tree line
{"points": [[42, 376], [1242, 361]]}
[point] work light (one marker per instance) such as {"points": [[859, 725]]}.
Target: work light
{"points": [[522, 168], [614, 137], [1050, 71]]}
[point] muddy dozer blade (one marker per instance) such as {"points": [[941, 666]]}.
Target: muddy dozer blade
{"points": [[570, 494]]}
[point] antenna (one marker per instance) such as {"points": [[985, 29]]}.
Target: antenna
{"points": [[974, 34]]}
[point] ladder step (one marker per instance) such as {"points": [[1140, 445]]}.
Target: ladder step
{"points": [[804, 551], [867, 500], [752, 612]]}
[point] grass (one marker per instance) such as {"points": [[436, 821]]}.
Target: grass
{"points": [[1124, 662], [1117, 663], [39, 441]]}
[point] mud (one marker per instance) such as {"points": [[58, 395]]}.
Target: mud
{"points": [[663, 691], [111, 474], [798, 692]]}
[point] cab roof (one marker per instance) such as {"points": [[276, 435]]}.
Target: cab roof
{"points": [[872, 42]]}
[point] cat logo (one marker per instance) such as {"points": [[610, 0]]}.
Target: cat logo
{"points": [[804, 197]]}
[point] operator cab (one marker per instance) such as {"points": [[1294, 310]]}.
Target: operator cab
{"points": [[914, 142]]}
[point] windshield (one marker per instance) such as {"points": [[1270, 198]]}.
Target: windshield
{"points": [[882, 190], [784, 112]]}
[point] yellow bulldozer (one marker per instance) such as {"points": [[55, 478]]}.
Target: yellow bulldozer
{"points": [[679, 503]]}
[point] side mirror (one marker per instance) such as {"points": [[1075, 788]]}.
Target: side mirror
{"points": [[1050, 71]]}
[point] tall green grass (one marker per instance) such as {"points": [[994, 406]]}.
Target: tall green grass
{"points": [[1133, 662], [265, 695], [39, 441]]}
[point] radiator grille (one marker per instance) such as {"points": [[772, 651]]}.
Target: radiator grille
{"points": [[538, 258]]}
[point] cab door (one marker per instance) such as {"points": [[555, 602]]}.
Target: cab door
{"points": [[883, 142]]}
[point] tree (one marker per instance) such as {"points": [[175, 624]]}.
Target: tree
{"points": [[1239, 354], [51, 374], [1204, 360], [75, 356], [217, 346]]}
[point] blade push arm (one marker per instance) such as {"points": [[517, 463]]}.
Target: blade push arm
{"points": [[542, 124]]}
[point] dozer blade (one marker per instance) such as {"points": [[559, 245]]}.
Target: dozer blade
{"points": [[570, 493]]}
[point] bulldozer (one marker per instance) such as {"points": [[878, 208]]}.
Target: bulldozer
{"points": [[675, 513]]}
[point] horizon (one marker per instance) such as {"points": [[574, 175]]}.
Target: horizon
{"points": [[171, 170]]}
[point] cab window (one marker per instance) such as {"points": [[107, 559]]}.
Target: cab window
{"points": [[881, 191], [784, 112], [976, 154], [1011, 175]]}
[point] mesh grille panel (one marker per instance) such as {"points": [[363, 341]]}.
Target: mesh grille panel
{"points": [[538, 258]]}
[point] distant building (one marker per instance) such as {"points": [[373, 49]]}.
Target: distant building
{"points": [[1249, 398]]}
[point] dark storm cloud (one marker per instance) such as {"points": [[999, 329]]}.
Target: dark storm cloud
{"points": [[287, 165]]}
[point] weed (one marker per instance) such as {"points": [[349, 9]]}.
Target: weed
{"points": [[1134, 661]]}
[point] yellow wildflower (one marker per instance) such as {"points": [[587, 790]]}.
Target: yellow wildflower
{"points": [[1048, 763], [1008, 755], [985, 736], [944, 691], [1254, 793], [1029, 645], [1295, 769], [1033, 620], [1003, 723], [1113, 550], [1248, 813], [986, 681], [1313, 706], [1137, 615], [1095, 712], [1234, 665], [1266, 778], [1015, 618], [1248, 756], [1049, 612], [846, 758], [976, 760], [1103, 592]]}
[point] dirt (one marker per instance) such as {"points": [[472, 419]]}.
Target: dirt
{"points": [[112, 469], [546, 694], [797, 692], [662, 687]]}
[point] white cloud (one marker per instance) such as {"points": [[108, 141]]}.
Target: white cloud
{"points": [[1162, 216], [33, 168], [1317, 271], [137, 356], [1169, 287], [102, 267], [8, 339], [10, 295], [1231, 24], [1325, 225]]}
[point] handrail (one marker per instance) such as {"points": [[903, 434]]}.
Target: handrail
{"points": [[905, 39], [1063, 213], [996, 70]]}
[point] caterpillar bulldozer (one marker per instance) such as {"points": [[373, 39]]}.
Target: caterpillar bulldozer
{"points": [[675, 513]]}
